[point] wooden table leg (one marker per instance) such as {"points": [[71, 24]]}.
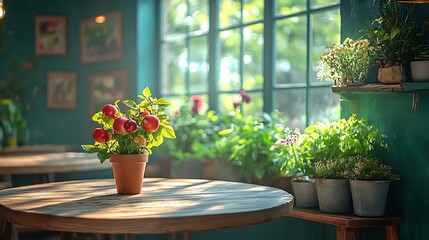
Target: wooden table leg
{"points": [[344, 233], [341, 233], [392, 232], [5, 229], [186, 235]]}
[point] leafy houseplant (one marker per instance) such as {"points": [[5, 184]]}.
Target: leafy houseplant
{"points": [[344, 137], [345, 63], [249, 141], [11, 121], [392, 39], [128, 138], [142, 127]]}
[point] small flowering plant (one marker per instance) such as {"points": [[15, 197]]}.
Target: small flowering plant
{"points": [[143, 126], [289, 151], [345, 63]]}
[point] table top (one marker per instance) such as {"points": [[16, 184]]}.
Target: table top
{"points": [[31, 149], [43, 163], [165, 205]]}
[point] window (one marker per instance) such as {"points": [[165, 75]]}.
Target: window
{"points": [[268, 48]]}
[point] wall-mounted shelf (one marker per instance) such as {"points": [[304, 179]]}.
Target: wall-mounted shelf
{"points": [[407, 87]]}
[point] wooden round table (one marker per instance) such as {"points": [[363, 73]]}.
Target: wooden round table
{"points": [[164, 206]]}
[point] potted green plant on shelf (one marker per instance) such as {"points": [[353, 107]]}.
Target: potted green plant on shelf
{"points": [[346, 63], [329, 144], [393, 40], [332, 185], [369, 183], [290, 151], [420, 64], [127, 138]]}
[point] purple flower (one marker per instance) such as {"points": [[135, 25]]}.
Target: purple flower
{"points": [[236, 105]]}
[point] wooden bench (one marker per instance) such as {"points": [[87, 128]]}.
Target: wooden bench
{"points": [[348, 224]]}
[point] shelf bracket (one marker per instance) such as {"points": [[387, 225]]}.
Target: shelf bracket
{"points": [[415, 102]]}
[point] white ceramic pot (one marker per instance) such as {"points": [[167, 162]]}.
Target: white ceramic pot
{"points": [[420, 71]]}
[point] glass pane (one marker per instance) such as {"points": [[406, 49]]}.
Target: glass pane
{"points": [[291, 50], [174, 15], [285, 7], [253, 10], [229, 76], [292, 104], [255, 105], [198, 64], [199, 15], [321, 3], [173, 68], [324, 105], [326, 31], [253, 57], [228, 100], [229, 13]]}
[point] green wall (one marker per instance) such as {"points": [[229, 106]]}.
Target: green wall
{"points": [[388, 111], [406, 132], [75, 126]]}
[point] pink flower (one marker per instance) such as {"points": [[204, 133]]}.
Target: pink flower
{"points": [[198, 103], [245, 97]]}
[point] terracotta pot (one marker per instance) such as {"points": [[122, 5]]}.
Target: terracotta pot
{"points": [[391, 75], [128, 170]]}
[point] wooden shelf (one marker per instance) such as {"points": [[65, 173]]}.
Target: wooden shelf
{"points": [[408, 87]]}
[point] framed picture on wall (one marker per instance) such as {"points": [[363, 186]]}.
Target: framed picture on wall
{"points": [[101, 38], [106, 88], [61, 90], [50, 34]]}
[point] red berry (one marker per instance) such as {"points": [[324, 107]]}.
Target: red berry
{"points": [[118, 125], [109, 110], [150, 123], [130, 126], [100, 135]]}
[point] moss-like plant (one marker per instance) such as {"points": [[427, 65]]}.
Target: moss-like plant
{"points": [[366, 167]]}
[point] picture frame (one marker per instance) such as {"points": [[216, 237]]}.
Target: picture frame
{"points": [[107, 87], [101, 38], [50, 35], [61, 93]]}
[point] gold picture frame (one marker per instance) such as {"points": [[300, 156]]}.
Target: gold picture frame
{"points": [[101, 38], [50, 35], [61, 90], [107, 87]]}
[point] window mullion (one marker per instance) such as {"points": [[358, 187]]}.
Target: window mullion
{"points": [[213, 42], [269, 48], [308, 62]]}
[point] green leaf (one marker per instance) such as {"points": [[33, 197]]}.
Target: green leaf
{"points": [[162, 102], [103, 156], [146, 92], [131, 104], [89, 148], [168, 131]]}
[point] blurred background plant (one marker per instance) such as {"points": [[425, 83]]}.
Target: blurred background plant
{"points": [[16, 92]]}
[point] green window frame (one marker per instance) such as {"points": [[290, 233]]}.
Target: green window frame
{"points": [[269, 48]]}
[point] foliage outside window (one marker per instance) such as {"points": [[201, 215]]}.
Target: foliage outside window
{"points": [[268, 48]]}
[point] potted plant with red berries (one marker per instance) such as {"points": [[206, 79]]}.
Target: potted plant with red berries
{"points": [[127, 138]]}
